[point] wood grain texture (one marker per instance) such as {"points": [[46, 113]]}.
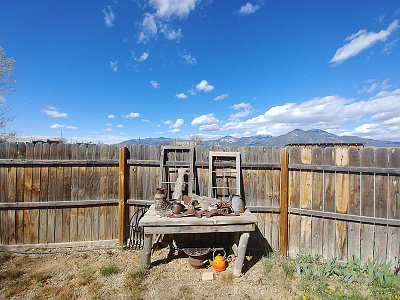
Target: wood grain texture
{"points": [[317, 202], [305, 201], [294, 201], [341, 201]]}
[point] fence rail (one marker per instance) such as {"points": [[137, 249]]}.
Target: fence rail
{"points": [[332, 201]]}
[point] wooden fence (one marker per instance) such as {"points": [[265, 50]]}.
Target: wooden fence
{"points": [[328, 201]]}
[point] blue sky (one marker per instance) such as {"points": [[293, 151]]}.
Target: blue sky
{"points": [[110, 71]]}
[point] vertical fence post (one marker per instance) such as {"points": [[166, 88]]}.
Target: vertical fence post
{"points": [[123, 191], [283, 232]]}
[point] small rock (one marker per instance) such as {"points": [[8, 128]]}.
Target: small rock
{"points": [[207, 276]]}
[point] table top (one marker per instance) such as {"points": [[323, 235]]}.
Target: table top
{"points": [[150, 219]]}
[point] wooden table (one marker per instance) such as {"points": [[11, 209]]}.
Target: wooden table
{"points": [[153, 225]]}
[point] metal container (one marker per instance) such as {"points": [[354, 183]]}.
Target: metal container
{"points": [[237, 204]]}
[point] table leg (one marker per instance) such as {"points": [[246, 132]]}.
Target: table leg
{"points": [[244, 239], [146, 255]]}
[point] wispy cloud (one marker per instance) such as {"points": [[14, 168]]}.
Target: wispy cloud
{"points": [[360, 41], [160, 19], [148, 28], [145, 120], [221, 97], [241, 105], [52, 112], [120, 126], [131, 115], [248, 9], [154, 84], [109, 16], [168, 122], [244, 110], [111, 116], [190, 60], [204, 86], [171, 33], [374, 85], [181, 96], [389, 46], [108, 124], [114, 65]]}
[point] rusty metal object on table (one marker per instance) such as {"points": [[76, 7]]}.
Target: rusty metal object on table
{"points": [[224, 204], [177, 207], [219, 212], [187, 213]]}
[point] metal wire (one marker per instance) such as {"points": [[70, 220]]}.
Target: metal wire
{"points": [[135, 240]]}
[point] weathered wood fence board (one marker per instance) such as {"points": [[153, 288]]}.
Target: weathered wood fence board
{"points": [[341, 201]]}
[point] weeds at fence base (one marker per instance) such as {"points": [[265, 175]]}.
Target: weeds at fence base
{"points": [[328, 279]]}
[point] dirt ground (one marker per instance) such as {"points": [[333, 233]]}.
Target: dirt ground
{"points": [[78, 274]]}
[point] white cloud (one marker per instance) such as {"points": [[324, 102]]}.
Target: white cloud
{"points": [[109, 16], [131, 115], [56, 126], [181, 96], [330, 113], [179, 123], [204, 86], [360, 41], [107, 129], [173, 8], [192, 92], [248, 9], [176, 130], [245, 109], [145, 120], [169, 122], [120, 126], [241, 105], [52, 112], [111, 116], [143, 57], [208, 119], [108, 124], [221, 97], [154, 84], [113, 65], [190, 60]]}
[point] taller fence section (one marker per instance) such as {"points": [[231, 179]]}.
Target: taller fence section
{"points": [[260, 180], [58, 194], [344, 202]]}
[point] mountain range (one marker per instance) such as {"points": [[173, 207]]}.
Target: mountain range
{"points": [[297, 136]]}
